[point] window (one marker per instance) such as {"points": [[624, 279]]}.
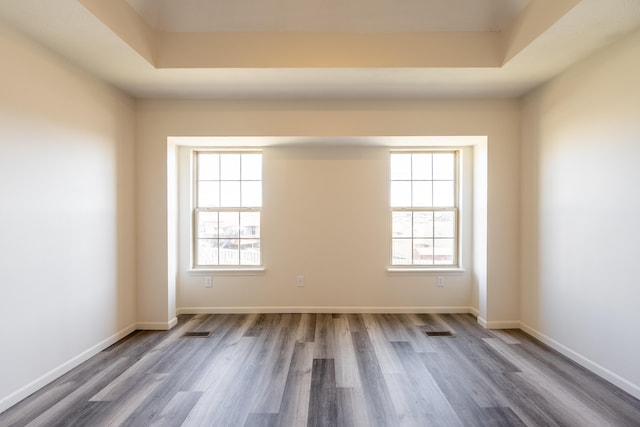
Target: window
{"points": [[424, 208], [227, 209]]}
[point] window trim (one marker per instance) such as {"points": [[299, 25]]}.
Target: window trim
{"points": [[195, 209], [454, 268]]}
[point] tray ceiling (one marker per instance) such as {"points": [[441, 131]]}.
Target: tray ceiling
{"points": [[328, 15], [317, 49]]}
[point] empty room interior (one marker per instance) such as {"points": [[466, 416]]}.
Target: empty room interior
{"points": [[303, 212]]}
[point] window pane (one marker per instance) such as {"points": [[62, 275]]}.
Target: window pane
{"points": [[229, 252], [207, 224], [250, 252], [444, 251], [229, 224], [401, 251], [229, 166], [252, 166], [229, 194], [422, 193], [209, 194], [400, 166], [251, 194], [423, 251], [401, 193], [207, 252], [401, 224], [421, 166], [208, 166], [423, 224], [443, 193], [420, 181], [443, 166], [445, 224], [250, 224]]}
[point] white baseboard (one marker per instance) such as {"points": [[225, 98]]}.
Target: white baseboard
{"points": [[37, 384], [157, 326], [482, 322], [498, 324], [474, 311], [629, 387], [298, 309]]}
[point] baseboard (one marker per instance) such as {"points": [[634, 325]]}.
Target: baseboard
{"points": [[498, 324], [314, 309], [157, 326], [482, 322], [474, 311], [629, 387], [32, 387]]}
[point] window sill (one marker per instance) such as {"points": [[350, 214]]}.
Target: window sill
{"points": [[445, 271], [227, 271]]}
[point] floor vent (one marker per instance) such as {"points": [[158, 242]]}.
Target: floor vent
{"points": [[439, 334], [197, 334]]}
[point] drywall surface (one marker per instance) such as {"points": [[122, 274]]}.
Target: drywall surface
{"points": [[326, 217], [328, 192], [67, 273], [479, 231], [580, 205]]}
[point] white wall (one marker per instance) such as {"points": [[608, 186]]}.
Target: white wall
{"points": [[331, 282], [67, 276], [326, 216], [479, 232], [580, 204]]}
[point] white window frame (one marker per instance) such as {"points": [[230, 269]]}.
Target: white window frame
{"points": [[455, 209], [197, 209]]}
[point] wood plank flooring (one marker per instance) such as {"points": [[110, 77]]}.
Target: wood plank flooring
{"points": [[327, 370]]}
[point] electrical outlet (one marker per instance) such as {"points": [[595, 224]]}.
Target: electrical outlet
{"points": [[440, 281], [300, 281], [208, 282]]}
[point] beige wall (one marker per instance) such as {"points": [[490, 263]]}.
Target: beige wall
{"points": [[326, 216], [331, 281], [580, 233], [67, 276]]}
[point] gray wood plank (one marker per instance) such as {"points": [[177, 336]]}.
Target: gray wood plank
{"points": [[494, 417], [379, 406], [82, 391], [294, 406], [307, 328], [386, 356], [324, 337], [323, 409], [271, 381], [425, 398], [173, 414], [352, 409], [415, 336], [219, 401], [116, 412], [256, 419], [345, 361]]}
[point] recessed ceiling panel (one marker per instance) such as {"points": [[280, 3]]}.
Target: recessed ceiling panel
{"points": [[328, 15], [102, 35]]}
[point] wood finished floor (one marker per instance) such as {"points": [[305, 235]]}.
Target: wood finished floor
{"points": [[327, 370]]}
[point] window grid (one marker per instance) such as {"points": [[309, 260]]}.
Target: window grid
{"points": [[412, 245], [227, 234]]}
